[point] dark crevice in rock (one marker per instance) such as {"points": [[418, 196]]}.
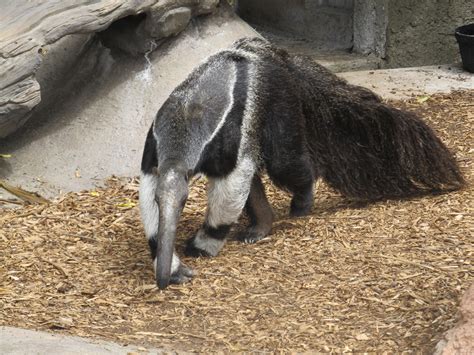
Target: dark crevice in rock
{"points": [[127, 34]]}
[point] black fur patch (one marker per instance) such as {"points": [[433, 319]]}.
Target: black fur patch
{"points": [[191, 250], [220, 155], [217, 233], [149, 159], [153, 244]]}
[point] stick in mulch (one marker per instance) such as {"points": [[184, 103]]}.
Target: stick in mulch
{"points": [[27, 196]]}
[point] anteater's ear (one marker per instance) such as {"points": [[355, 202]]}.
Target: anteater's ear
{"points": [[155, 171]]}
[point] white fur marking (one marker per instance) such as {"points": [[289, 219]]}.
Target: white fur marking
{"points": [[227, 196], [248, 144], [149, 209], [175, 263]]}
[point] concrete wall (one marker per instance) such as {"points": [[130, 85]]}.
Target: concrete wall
{"points": [[328, 22], [421, 32], [403, 33], [285, 15], [370, 27]]}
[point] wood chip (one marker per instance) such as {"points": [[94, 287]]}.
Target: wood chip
{"points": [[384, 277]]}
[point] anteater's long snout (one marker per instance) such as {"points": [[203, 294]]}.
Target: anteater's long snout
{"points": [[165, 248], [171, 195], [171, 203]]}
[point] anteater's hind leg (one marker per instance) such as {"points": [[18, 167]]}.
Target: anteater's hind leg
{"points": [[284, 148], [303, 197], [297, 175], [260, 213], [226, 200]]}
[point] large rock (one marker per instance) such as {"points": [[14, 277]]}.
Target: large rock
{"points": [[460, 339], [28, 28], [96, 123]]}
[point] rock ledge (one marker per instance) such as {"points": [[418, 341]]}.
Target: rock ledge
{"points": [[27, 27]]}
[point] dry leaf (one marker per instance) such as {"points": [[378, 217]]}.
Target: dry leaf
{"points": [[422, 99], [128, 204]]}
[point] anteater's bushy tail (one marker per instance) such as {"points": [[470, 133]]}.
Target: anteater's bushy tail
{"points": [[367, 149]]}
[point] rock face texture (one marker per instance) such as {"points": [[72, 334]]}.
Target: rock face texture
{"points": [[28, 28], [460, 339]]}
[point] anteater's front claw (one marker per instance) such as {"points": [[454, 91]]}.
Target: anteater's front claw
{"points": [[182, 275]]}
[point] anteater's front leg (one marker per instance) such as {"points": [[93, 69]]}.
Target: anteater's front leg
{"points": [[260, 214], [226, 199]]}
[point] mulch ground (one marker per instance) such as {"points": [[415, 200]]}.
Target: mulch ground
{"points": [[350, 277]]}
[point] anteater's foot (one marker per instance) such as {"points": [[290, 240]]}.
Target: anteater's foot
{"points": [[302, 202], [299, 209]]}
